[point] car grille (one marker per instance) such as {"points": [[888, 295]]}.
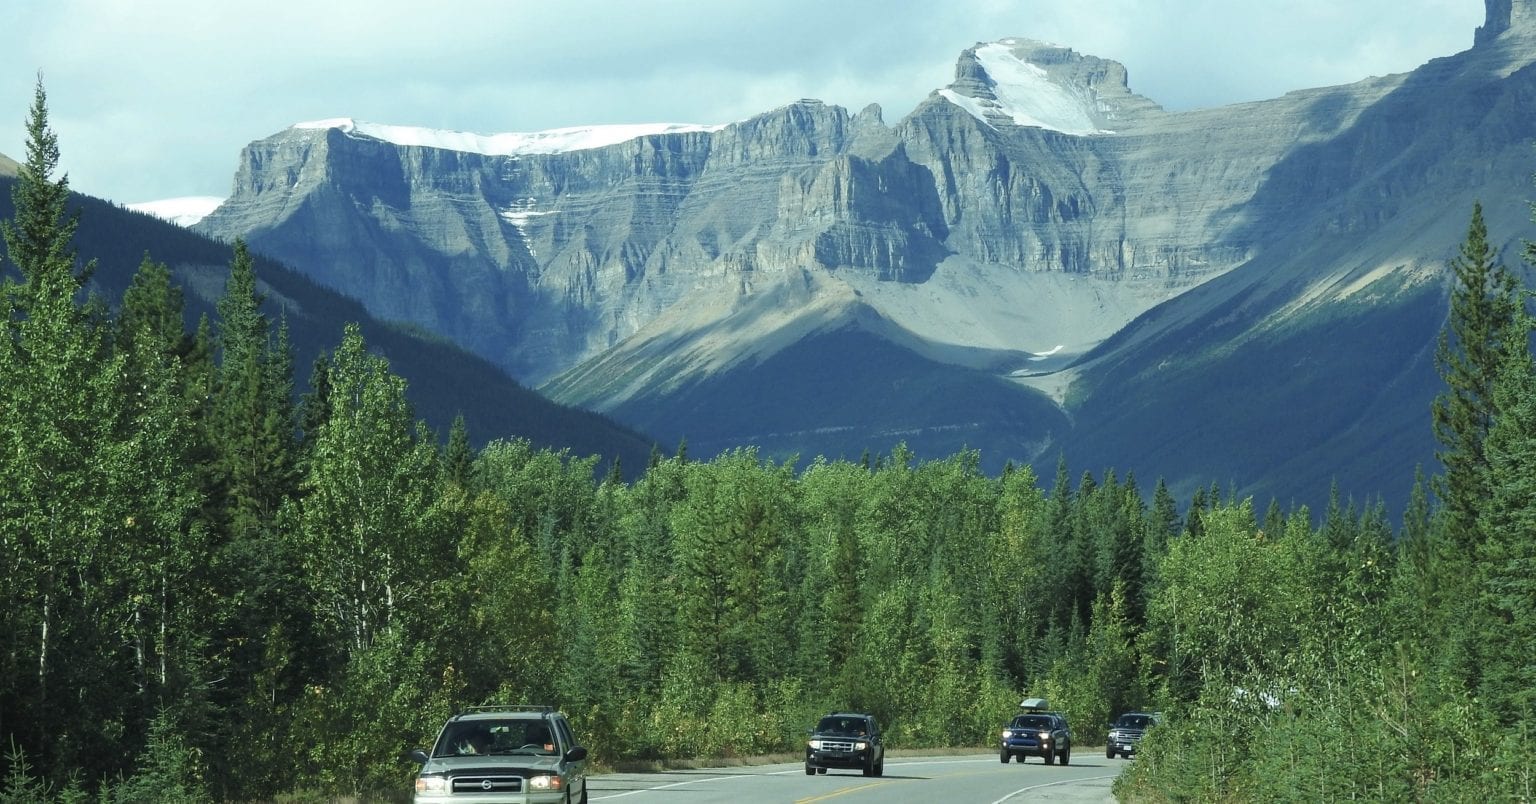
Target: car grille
{"points": [[843, 746], [1129, 737], [479, 783]]}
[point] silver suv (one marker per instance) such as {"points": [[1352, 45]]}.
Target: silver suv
{"points": [[503, 755]]}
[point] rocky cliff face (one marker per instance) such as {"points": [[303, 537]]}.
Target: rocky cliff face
{"points": [[1036, 160], [1017, 219]]}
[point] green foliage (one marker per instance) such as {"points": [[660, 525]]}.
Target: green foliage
{"points": [[214, 594], [20, 785], [1483, 306], [168, 771], [1506, 551]]}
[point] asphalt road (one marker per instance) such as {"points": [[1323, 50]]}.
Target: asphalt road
{"points": [[918, 779]]}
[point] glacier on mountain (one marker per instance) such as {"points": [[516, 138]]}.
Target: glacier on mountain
{"points": [[1025, 93]]}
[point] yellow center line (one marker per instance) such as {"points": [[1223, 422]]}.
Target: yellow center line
{"points": [[845, 791]]}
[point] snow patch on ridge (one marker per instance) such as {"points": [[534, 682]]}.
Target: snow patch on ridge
{"points": [[183, 211], [551, 141], [519, 213], [1026, 95]]}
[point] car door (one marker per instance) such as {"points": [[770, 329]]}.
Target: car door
{"points": [[578, 769]]}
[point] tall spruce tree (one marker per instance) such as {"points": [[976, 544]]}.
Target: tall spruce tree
{"points": [[1467, 356], [1507, 549], [66, 475], [253, 419]]}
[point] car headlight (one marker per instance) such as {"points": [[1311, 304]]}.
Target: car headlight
{"points": [[860, 745], [1007, 733], [1045, 735], [816, 744], [1114, 735], [431, 784], [546, 782]]}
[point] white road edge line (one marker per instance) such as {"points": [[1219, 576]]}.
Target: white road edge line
{"points": [[1050, 784]]}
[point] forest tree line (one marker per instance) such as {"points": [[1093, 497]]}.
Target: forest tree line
{"points": [[217, 588]]}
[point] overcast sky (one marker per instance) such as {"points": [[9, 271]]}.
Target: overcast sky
{"points": [[154, 99]]}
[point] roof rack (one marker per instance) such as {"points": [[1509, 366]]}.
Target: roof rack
{"points": [[541, 708]]}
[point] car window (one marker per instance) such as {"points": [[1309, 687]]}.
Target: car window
{"points": [[1032, 722], [566, 739], [844, 726], [500, 736]]}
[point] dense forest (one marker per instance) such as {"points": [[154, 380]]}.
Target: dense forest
{"points": [[219, 589]]}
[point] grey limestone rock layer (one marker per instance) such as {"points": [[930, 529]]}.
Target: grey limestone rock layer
{"points": [[544, 261]]}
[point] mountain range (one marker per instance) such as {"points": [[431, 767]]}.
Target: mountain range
{"points": [[1036, 262], [445, 381]]}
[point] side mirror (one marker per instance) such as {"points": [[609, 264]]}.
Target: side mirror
{"points": [[418, 755], [576, 754]]}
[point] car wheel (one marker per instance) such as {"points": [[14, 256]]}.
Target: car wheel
{"points": [[809, 771], [822, 771], [1003, 757], [1050, 757], [880, 767], [869, 770], [1109, 752], [1066, 755]]}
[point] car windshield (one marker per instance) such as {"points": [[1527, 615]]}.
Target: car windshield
{"points": [[505, 737], [1133, 722], [1032, 722], [843, 726]]}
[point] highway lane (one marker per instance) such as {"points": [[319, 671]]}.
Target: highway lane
{"points": [[917, 779]]}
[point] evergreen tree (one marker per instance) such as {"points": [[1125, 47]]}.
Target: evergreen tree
{"points": [[253, 418], [458, 457], [1467, 356], [1482, 309], [64, 481], [1507, 549]]}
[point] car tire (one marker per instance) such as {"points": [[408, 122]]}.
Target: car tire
{"points": [[880, 767], [1066, 755], [1109, 752], [822, 771], [809, 771], [1003, 756], [868, 770], [1050, 757]]}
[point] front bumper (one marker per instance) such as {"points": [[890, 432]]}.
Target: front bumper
{"points": [[541, 797], [1031, 747], [477, 789], [839, 759]]}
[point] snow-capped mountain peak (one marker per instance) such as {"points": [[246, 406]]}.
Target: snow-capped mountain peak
{"points": [[1024, 82], [550, 141]]}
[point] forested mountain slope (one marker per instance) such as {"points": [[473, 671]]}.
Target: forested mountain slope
{"points": [[444, 380]]}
